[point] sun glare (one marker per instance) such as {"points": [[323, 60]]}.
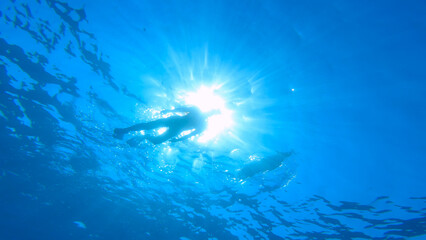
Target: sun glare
{"points": [[206, 99]]}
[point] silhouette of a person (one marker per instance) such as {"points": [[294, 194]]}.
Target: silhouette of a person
{"points": [[193, 119]]}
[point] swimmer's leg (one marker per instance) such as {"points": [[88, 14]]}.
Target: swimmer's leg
{"points": [[169, 133], [120, 132], [134, 142]]}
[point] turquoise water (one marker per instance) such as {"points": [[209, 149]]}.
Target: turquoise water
{"points": [[326, 139]]}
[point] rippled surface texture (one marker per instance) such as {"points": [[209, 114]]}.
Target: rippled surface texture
{"points": [[324, 136]]}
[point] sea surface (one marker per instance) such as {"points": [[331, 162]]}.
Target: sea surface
{"points": [[325, 136]]}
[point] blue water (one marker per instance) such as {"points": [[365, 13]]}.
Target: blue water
{"points": [[328, 103]]}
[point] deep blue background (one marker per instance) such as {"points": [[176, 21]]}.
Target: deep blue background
{"points": [[356, 114]]}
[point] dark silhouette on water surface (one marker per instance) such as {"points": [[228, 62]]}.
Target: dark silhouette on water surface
{"points": [[266, 164], [192, 120]]}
